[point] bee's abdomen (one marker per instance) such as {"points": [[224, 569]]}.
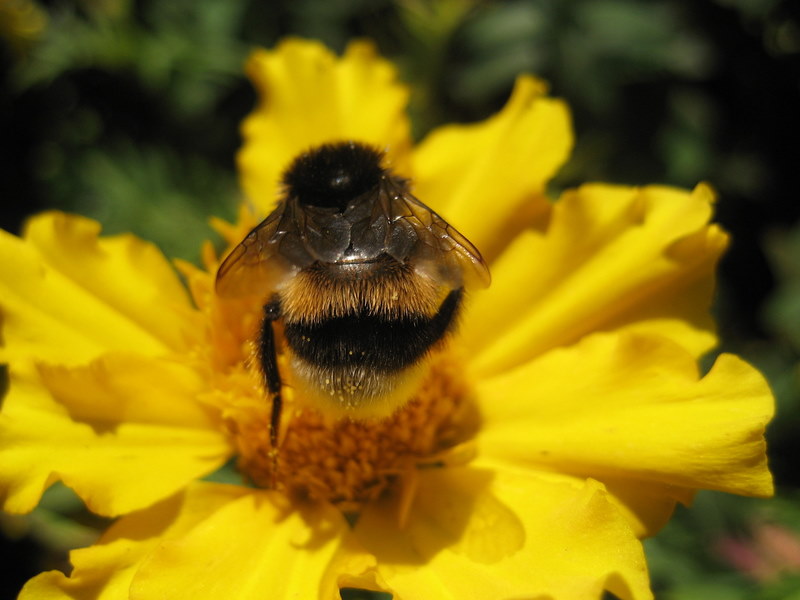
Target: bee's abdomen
{"points": [[374, 342]]}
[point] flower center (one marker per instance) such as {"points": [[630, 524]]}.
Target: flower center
{"points": [[349, 462]]}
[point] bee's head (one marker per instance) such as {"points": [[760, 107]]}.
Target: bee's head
{"points": [[332, 175]]}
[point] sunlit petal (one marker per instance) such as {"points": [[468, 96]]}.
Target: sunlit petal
{"points": [[639, 259], [68, 295], [106, 570], [504, 534], [488, 179], [255, 547], [633, 408], [122, 432]]}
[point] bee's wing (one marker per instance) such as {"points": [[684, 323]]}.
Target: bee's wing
{"points": [[440, 250], [257, 266]]}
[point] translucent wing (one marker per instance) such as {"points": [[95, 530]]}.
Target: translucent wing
{"points": [[256, 266], [414, 233], [458, 258], [387, 220]]}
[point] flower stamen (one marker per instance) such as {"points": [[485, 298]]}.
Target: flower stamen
{"points": [[349, 462]]}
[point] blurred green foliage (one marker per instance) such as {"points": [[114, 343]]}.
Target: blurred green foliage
{"points": [[128, 111]]}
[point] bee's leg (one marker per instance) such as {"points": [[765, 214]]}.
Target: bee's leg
{"points": [[269, 365]]}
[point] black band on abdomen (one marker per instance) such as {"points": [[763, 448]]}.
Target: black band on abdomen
{"points": [[371, 341]]}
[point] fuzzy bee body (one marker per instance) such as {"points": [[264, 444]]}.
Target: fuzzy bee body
{"points": [[365, 279]]}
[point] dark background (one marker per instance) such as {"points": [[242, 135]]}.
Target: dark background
{"points": [[129, 112]]}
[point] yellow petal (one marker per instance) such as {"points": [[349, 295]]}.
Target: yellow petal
{"points": [[633, 408], [648, 505], [612, 258], [123, 432], [101, 573], [211, 541], [105, 571], [67, 295], [250, 549], [308, 96], [496, 535], [488, 179]]}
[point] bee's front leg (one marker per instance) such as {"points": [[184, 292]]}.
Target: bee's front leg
{"points": [[269, 366]]}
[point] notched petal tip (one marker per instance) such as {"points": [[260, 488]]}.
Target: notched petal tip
{"points": [[68, 294], [488, 179], [476, 533], [250, 547], [633, 408], [745, 404], [122, 410], [611, 258]]}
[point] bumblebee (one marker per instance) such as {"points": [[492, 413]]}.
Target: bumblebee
{"points": [[365, 279]]}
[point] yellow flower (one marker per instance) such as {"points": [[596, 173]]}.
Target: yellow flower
{"points": [[561, 425]]}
